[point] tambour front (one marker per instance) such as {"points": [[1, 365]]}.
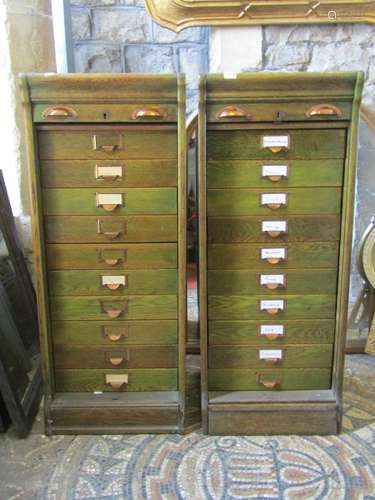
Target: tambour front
{"points": [[108, 192], [276, 183]]}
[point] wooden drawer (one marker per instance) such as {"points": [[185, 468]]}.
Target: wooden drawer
{"points": [[97, 112], [160, 332], [299, 173], [78, 142], [301, 356], [89, 229], [153, 379], [249, 307], [320, 331], [273, 201], [303, 144], [66, 356], [245, 229], [309, 111], [292, 379], [108, 173], [105, 308], [112, 256], [321, 281], [309, 255], [113, 282]]}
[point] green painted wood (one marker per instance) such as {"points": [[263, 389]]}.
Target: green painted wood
{"points": [[129, 142], [292, 379], [131, 256], [71, 357], [301, 356], [90, 282], [304, 144], [249, 201], [248, 307], [134, 201], [82, 173], [302, 255], [132, 307], [248, 173], [249, 229], [240, 332], [320, 281], [133, 229], [154, 379], [160, 332]]}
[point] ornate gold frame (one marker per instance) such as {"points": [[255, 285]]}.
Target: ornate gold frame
{"points": [[180, 14]]}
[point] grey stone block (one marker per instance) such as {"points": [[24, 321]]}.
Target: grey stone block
{"points": [[149, 59], [338, 56], [165, 35], [96, 58], [121, 25], [193, 61], [81, 24], [288, 57], [92, 3]]}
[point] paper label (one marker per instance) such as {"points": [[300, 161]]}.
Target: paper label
{"points": [[230, 75], [113, 280], [108, 199], [273, 198], [274, 225], [272, 330], [275, 141], [272, 304], [272, 279], [273, 253], [270, 354], [108, 171], [275, 170]]}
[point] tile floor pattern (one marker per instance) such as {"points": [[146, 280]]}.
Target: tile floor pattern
{"points": [[198, 467]]}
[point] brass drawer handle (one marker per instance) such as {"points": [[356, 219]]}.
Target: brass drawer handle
{"points": [[111, 235], [114, 282], [113, 312], [108, 174], [232, 112], [272, 361], [111, 258], [323, 110], [273, 307], [117, 359], [59, 113], [271, 336], [106, 148], [268, 384], [149, 113], [115, 334], [117, 381], [109, 201]]}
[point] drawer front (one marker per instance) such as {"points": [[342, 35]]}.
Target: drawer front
{"points": [[250, 307], [249, 229], [118, 333], [303, 144], [105, 308], [108, 173], [320, 281], [89, 229], [269, 201], [306, 255], [302, 356], [309, 111], [292, 379], [320, 331], [257, 174], [97, 112], [118, 358], [112, 256], [109, 201], [113, 283], [84, 143], [153, 379]]}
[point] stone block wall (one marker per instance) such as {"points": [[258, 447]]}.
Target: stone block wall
{"points": [[120, 36]]}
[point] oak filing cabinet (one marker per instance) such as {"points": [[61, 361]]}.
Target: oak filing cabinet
{"points": [[107, 169], [276, 187]]}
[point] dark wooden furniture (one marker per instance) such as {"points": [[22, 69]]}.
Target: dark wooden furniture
{"points": [[276, 189], [107, 169]]}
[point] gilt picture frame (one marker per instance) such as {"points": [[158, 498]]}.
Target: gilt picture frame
{"points": [[179, 14]]}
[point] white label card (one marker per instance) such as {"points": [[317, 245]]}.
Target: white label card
{"points": [[108, 199], [273, 253], [230, 75], [272, 304], [275, 170], [274, 225], [272, 279], [275, 141], [270, 354], [108, 171], [113, 280], [272, 330], [273, 198]]}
